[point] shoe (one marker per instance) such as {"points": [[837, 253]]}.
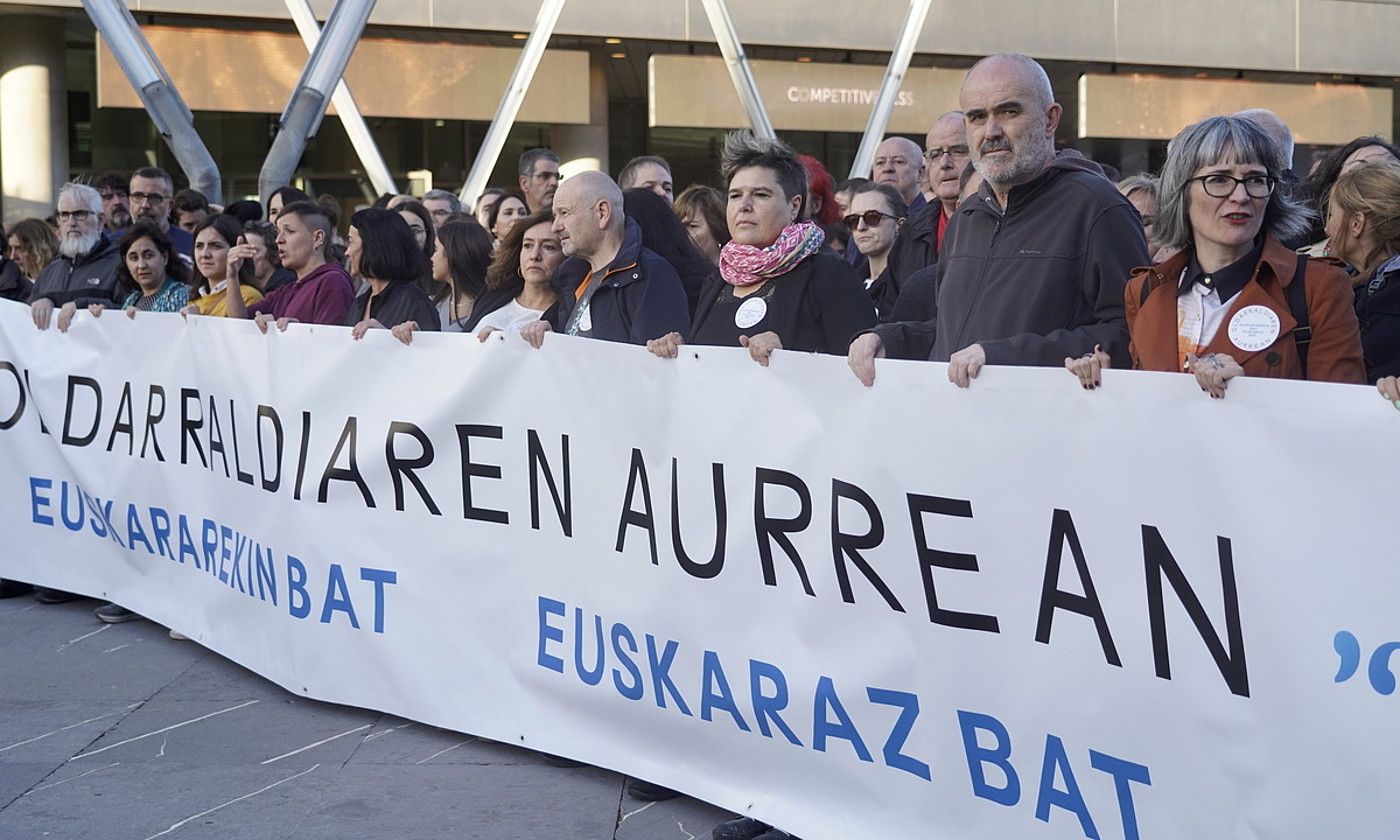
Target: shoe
{"points": [[54, 596], [178, 636], [113, 614], [13, 588], [648, 792], [740, 828], [560, 761]]}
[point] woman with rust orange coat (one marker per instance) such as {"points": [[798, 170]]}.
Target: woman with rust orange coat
{"points": [[1233, 300]]}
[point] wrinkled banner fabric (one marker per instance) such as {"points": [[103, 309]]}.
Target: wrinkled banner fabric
{"points": [[1019, 610]]}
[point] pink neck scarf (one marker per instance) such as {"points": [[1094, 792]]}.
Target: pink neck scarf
{"points": [[745, 265]]}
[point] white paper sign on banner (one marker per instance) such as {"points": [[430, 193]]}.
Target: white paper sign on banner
{"points": [[1018, 610]]}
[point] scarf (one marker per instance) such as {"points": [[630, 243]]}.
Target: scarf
{"points": [[745, 265]]}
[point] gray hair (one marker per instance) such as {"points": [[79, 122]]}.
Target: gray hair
{"points": [[1274, 127], [1205, 144], [84, 194], [1039, 79], [1134, 183], [743, 149], [453, 202]]}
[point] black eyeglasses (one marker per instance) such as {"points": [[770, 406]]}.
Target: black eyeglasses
{"points": [[1223, 186], [951, 151], [75, 215], [870, 217], [142, 198]]}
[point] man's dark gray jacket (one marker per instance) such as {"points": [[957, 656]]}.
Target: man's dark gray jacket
{"points": [[1037, 282]]}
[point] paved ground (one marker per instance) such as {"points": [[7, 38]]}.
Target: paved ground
{"points": [[118, 731]]}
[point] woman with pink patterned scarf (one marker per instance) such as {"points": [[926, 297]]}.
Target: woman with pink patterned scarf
{"points": [[775, 288]]}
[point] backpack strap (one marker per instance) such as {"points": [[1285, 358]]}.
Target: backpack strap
{"points": [[1298, 308]]}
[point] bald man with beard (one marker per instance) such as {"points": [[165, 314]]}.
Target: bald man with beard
{"points": [[1034, 265], [610, 286]]}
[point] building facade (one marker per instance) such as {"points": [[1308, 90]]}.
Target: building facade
{"points": [[621, 79]]}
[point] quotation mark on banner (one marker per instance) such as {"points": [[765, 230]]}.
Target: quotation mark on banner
{"points": [[1378, 669]]}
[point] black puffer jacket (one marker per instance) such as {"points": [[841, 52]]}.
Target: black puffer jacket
{"points": [[13, 284], [91, 278]]}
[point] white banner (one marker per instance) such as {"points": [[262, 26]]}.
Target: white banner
{"points": [[1020, 610]]}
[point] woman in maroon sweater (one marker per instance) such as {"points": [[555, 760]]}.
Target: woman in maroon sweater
{"points": [[322, 292]]}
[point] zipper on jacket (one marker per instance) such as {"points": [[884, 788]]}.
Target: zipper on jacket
{"points": [[977, 292]]}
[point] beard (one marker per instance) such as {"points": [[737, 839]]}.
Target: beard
{"points": [[75, 245], [1025, 163], [120, 217]]}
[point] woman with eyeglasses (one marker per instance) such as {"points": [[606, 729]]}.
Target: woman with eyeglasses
{"points": [[877, 213], [1233, 300], [775, 287]]}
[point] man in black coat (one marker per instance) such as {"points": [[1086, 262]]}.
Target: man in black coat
{"points": [[921, 236], [611, 286], [85, 271]]}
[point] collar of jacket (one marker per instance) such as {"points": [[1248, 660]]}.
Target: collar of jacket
{"points": [[985, 201], [1154, 331], [572, 271], [1276, 267]]}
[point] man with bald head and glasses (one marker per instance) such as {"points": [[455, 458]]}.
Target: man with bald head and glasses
{"points": [[921, 237]]}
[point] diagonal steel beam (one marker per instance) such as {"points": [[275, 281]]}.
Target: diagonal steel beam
{"points": [[162, 100], [739, 70], [889, 87], [519, 85], [349, 112], [307, 105]]}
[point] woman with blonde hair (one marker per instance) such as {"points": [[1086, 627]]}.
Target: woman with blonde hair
{"points": [[1363, 224]]}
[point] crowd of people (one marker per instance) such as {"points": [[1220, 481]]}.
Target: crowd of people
{"points": [[988, 246]]}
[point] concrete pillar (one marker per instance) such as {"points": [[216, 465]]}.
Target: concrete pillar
{"points": [[584, 147], [33, 115]]}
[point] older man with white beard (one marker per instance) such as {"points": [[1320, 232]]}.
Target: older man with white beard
{"points": [[85, 271]]}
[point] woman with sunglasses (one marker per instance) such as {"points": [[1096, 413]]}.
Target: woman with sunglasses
{"points": [[775, 287], [1233, 300], [877, 213]]}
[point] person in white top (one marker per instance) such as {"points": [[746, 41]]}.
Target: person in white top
{"points": [[518, 287]]}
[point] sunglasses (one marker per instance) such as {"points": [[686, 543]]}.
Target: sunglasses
{"points": [[870, 217]]}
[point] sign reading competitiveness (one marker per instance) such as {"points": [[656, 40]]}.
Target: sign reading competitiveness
{"points": [[1019, 610]]}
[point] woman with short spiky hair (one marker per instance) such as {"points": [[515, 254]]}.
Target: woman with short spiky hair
{"points": [[775, 288], [1232, 299]]}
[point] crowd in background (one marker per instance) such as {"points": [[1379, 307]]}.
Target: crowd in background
{"points": [[985, 245]]}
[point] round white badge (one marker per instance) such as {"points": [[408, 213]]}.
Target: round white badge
{"points": [[585, 320], [1254, 328], [750, 312]]}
